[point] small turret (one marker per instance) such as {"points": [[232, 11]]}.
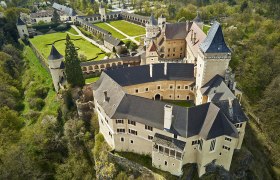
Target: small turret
{"points": [[22, 28], [102, 12], [198, 20], [152, 29], [161, 21], [56, 66]]}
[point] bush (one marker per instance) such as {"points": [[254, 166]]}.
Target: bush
{"points": [[42, 92], [37, 104]]}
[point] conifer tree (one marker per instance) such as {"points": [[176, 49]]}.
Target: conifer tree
{"points": [[73, 70], [56, 17]]}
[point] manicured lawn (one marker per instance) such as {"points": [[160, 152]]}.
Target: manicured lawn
{"points": [[43, 44], [91, 80], [181, 103], [128, 28], [206, 28], [114, 33], [73, 31]]}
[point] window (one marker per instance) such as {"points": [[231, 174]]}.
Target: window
{"points": [[178, 96], [175, 136], [173, 54], [121, 130], [172, 153], [148, 127], [239, 125], [122, 139], [165, 163], [186, 87], [173, 49], [178, 155], [228, 139], [156, 146], [110, 134], [212, 146], [101, 121], [119, 121], [170, 86], [168, 49], [226, 147], [131, 131], [150, 137], [136, 90], [160, 148], [147, 89], [106, 120], [132, 122], [170, 96], [179, 87], [158, 87], [195, 142], [200, 144], [166, 151], [131, 141]]}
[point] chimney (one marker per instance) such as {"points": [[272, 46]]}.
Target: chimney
{"points": [[230, 107], [151, 70], [167, 116], [165, 68], [105, 96]]}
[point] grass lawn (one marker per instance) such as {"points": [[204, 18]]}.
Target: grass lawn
{"points": [[91, 80], [35, 77], [181, 103], [146, 161], [128, 28], [84, 47], [73, 31], [206, 28], [114, 33]]}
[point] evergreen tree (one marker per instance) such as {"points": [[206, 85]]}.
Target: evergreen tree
{"points": [[56, 17], [72, 64]]}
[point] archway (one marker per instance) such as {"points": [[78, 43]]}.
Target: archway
{"points": [[157, 97]]}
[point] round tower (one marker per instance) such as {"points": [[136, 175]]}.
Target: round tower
{"points": [[152, 29], [22, 29], [56, 66], [102, 12], [161, 21]]}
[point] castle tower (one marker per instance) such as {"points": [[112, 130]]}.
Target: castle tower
{"points": [[102, 12], [198, 20], [22, 29], [152, 29], [152, 54], [57, 67], [213, 58], [161, 21]]}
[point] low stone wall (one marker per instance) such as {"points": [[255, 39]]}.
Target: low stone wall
{"points": [[39, 56]]}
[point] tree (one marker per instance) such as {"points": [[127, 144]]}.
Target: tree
{"points": [[73, 71], [56, 17], [172, 10]]}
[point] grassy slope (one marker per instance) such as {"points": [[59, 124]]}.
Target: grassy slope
{"points": [[91, 80], [85, 48], [111, 30], [73, 31], [128, 28], [36, 76]]}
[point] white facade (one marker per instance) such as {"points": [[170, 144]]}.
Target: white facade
{"points": [[22, 31]]}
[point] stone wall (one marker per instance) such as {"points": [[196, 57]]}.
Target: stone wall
{"points": [[42, 60]]}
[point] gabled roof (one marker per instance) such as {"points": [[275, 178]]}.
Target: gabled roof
{"points": [[20, 22], [152, 47], [176, 31], [214, 42], [141, 74], [67, 10], [216, 89], [152, 20], [114, 41], [54, 54]]}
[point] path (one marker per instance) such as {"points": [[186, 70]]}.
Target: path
{"points": [[127, 36], [90, 40]]}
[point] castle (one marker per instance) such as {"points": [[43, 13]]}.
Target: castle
{"points": [[180, 63]]}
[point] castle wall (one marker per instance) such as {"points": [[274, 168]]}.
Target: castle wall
{"points": [[22, 31]]}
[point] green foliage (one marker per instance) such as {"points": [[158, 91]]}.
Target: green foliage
{"points": [[56, 17], [72, 64]]}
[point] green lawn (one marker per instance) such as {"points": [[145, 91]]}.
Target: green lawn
{"points": [[91, 80], [206, 28], [73, 31], [84, 47], [35, 77], [181, 103], [128, 28], [114, 33]]}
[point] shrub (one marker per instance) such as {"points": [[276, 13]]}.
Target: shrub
{"points": [[37, 104], [42, 92]]}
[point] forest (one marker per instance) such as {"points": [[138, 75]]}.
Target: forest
{"points": [[41, 136]]}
